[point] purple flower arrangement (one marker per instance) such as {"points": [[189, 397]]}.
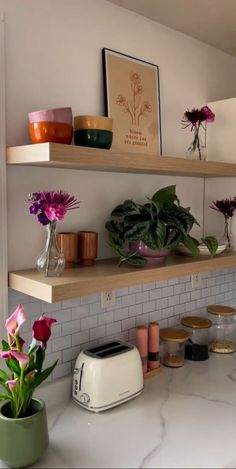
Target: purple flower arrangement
{"points": [[51, 206], [194, 119], [224, 206]]}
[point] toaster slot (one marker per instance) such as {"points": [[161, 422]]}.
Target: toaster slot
{"points": [[109, 349]]}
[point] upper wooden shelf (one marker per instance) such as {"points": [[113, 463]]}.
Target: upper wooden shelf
{"points": [[70, 156], [106, 275]]}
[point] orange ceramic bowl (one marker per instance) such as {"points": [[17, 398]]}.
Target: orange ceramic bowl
{"points": [[41, 132]]}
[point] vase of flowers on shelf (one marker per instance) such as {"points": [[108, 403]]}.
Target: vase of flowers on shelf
{"points": [[226, 207], [23, 420], [51, 207], [197, 120]]}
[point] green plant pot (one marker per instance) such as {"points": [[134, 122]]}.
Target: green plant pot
{"points": [[96, 138], [23, 440]]}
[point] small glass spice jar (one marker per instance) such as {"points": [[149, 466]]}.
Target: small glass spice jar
{"points": [[197, 348], [172, 346], [223, 331]]}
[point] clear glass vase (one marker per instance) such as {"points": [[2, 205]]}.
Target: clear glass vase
{"points": [[197, 149], [227, 237], [51, 260]]}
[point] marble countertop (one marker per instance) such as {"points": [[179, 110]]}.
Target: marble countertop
{"points": [[185, 418]]}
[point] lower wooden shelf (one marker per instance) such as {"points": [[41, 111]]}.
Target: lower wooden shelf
{"points": [[106, 275]]}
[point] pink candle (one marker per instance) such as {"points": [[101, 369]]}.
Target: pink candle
{"points": [[142, 344], [153, 345]]}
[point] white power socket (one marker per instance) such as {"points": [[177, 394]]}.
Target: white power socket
{"points": [[196, 281], [108, 299]]}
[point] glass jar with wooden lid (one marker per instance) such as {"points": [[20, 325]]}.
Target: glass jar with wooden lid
{"points": [[223, 331], [172, 346], [197, 347]]}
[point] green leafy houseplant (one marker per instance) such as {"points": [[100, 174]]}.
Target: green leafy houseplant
{"points": [[160, 223]]}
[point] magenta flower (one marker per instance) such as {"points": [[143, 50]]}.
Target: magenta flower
{"points": [[21, 357], [14, 322], [224, 206], [194, 119], [42, 329], [52, 205], [12, 383]]}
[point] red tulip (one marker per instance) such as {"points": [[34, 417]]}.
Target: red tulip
{"points": [[42, 329]]}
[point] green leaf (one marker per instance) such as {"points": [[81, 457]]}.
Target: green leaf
{"points": [[134, 260], [135, 232], [4, 375], [40, 355], [173, 239], [211, 243], [128, 207], [14, 366], [190, 244], [165, 196], [40, 377], [4, 397], [5, 346]]}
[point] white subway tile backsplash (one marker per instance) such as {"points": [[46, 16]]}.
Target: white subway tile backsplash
{"points": [[82, 323], [121, 313], [135, 310], [142, 297], [135, 289], [149, 306], [89, 322], [80, 338], [98, 332], [80, 312], [60, 343], [71, 327], [128, 300]]}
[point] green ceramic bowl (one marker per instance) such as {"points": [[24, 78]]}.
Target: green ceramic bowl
{"points": [[93, 138]]}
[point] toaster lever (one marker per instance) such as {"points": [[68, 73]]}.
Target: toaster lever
{"points": [[79, 371]]}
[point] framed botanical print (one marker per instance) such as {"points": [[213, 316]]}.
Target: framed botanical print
{"points": [[132, 100]]}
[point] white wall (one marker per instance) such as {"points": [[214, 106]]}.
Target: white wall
{"points": [[53, 50]]}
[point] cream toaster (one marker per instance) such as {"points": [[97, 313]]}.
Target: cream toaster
{"points": [[107, 375]]}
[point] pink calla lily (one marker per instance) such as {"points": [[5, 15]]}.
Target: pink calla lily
{"points": [[14, 322], [21, 357], [12, 383]]}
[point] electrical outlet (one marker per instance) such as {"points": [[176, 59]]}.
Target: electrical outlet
{"points": [[196, 281], [108, 299]]}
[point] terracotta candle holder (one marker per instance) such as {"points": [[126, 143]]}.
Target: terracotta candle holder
{"points": [[68, 244], [87, 247]]}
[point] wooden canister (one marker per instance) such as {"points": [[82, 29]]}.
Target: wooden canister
{"points": [[68, 244], [87, 247]]}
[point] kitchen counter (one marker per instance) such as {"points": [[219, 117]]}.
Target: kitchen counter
{"points": [[185, 418]]}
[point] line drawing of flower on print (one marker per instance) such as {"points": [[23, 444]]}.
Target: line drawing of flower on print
{"points": [[134, 106]]}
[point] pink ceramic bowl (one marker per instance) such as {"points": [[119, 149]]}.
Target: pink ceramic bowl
{"points": [[152, 256], [62, 115]]}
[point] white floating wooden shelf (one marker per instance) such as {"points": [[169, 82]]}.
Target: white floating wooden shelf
{"points": [[106, 275], [56, 155]]}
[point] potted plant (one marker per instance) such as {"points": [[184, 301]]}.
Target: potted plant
{"points": [[23, 421], [148, 232]]}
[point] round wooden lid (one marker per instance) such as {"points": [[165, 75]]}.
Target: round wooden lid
{"points": [[172, 334], [196, 322], [221, 310]]}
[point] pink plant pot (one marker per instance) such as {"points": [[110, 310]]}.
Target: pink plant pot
{"points": [[152, 256], [62, 115]]}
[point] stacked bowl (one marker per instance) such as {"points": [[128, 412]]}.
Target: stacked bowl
{"points": [[51, 125], [93, 131]]}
